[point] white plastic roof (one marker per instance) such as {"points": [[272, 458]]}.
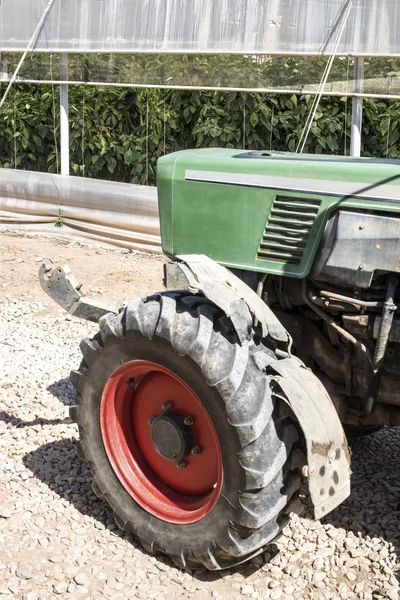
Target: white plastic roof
{"points": [[197, 26]]}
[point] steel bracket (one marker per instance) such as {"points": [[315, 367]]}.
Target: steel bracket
{"points": [[62, 286]]}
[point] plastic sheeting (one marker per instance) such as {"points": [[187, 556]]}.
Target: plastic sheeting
{"points": [[242, 26], [111, 213], [301, 74]]}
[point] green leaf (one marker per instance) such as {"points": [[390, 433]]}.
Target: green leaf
{"points": [[253, 119]]}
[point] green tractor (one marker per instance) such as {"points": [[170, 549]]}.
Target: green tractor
{"points": [[202, 409]]}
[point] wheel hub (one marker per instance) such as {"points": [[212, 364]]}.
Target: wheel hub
{"points": [[161, 442], [172, 439]]}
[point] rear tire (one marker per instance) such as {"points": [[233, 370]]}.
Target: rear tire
{"points": [[259, 440], [354, 432]]}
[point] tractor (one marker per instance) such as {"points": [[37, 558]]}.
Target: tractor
{"points": [[204, 408]]}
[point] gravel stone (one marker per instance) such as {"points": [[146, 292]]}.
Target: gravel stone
{"points": [[60, 588], [23, 573], [30, 596], [50, 517], [81, 579]]}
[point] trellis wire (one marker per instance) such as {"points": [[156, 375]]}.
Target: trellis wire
{"points": [[272, 124], [310, 119], [244, 125], [83, 131], [15, 128], [387, 137], [30, 46], [147, 137], [165, 124]]}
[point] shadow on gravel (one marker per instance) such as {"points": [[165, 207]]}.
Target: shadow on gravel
{"points": [[57, 465], [17, 422], [63, 390]]}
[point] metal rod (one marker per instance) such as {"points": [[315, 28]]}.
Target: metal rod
{"points": [[356, 110], [209, 88], [64, 116], [389, 308], [29, 48], [364, 303], [196, 51], [331, 321]]}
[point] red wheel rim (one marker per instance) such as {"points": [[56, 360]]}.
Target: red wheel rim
{"points": [[132, 397]]}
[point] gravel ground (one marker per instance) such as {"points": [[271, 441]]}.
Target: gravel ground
{"points": [[58, 540]]}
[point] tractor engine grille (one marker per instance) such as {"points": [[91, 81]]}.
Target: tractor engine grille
{"points": [[288, 228]]}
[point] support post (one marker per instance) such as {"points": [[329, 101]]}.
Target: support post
{"points": [[64, 119], [356, 109]]}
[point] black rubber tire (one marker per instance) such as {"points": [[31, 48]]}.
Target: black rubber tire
{"points": [[261, 443], [354, 432]]}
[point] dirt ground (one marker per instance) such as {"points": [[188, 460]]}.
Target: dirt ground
{"points": [[114, 275]]}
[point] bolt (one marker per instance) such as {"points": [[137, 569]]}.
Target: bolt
{"points": [[188, 421], [150, 421], [166, 406], [195, 450], [361, 226], [180, 464], [361, 266]]}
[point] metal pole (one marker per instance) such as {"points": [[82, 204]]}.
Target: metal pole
{"points": [[356, 109], [64, 121]]}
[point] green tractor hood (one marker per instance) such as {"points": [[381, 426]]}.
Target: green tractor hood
{"points": [[265, 211]]}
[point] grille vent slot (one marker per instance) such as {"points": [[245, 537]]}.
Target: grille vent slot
{"points": [[289, 225]]}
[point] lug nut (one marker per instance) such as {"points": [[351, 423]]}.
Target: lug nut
{"points": [[188, 421], [195, 450], [166, 406], [149, 422], [181, 464]]}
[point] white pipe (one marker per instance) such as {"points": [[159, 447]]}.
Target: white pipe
{"points": [[64, 116], [356, 109]]}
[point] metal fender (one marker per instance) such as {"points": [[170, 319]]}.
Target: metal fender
{"points": [[328, 456]]}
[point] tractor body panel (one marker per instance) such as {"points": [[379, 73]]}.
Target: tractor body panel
{"points": [[262, 211]]}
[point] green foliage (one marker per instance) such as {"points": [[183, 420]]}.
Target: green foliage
{"points": [[119, 133]]}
